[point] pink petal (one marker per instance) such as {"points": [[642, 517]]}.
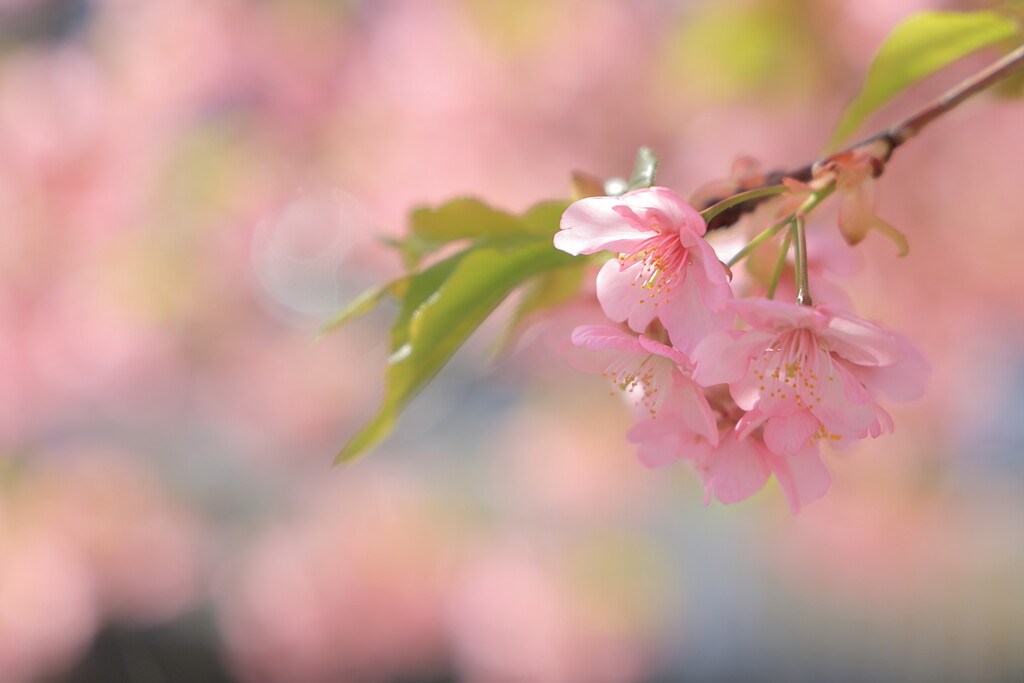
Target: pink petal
{"points": [[723, 358], [837, 412], [595, 348], [621, 296], [713, 276], [855, 216], [651, 346], [751, 420], [738, 469], [592, 225], [601, 337], [803, 477], [859, 341], [853, 390], [663, 441], [664, 207], [687, 317], [659, 443], [904, 381], [688, 402], [770, 314], [883, 424], [786, 435]]}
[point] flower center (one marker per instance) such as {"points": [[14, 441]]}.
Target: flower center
{"points": [[790, 368], [641, 375], [664, 262]]}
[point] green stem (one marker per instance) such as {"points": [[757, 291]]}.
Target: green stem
{"points": [[729, 202], [754, 243], [817, 198], [780, 264], [803, 289], [814, 200]]}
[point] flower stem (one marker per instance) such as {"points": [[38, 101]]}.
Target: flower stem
{"points": [[761, 237], [729, 202], [805, 208], [898, 133], [780, 264], [803, 289]]}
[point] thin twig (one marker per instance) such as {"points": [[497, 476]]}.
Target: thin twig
{"points": [[894, 136], [902, 131]]}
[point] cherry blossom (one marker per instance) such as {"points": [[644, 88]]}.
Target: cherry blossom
{"points": [[665, 269], [709, 428], [737, 467], [808, 373], [655, 375]]}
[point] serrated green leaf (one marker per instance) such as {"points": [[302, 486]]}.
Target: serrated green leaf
{"points": [[918, 47], [644, 169], [441, 321]]}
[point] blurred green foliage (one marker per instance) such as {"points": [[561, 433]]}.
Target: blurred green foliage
{"points": [[918, 47]]}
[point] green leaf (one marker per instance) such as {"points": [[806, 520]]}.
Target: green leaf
{"points": [[412, 289], [461, 219], [434, 324], [422, 286], [643, 170], [472, 219], [362, 304], [543, 219], [918, 47], [544, 291]]}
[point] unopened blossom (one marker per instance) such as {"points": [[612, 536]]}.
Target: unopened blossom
{"points": [[664, 269], [656, 376], [807, 373], [854, 172]]}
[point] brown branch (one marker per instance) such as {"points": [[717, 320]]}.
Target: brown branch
{"points": [[893, 136]]}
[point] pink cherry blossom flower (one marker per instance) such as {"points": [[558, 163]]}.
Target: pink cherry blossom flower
{"points": [[807, 373], [656, 376], [736, 468], [665, 268]]}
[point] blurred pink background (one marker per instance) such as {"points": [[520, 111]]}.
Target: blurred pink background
{"points": [[188, 188]]}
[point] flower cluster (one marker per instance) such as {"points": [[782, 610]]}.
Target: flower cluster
{"points": [[739, 402]]}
